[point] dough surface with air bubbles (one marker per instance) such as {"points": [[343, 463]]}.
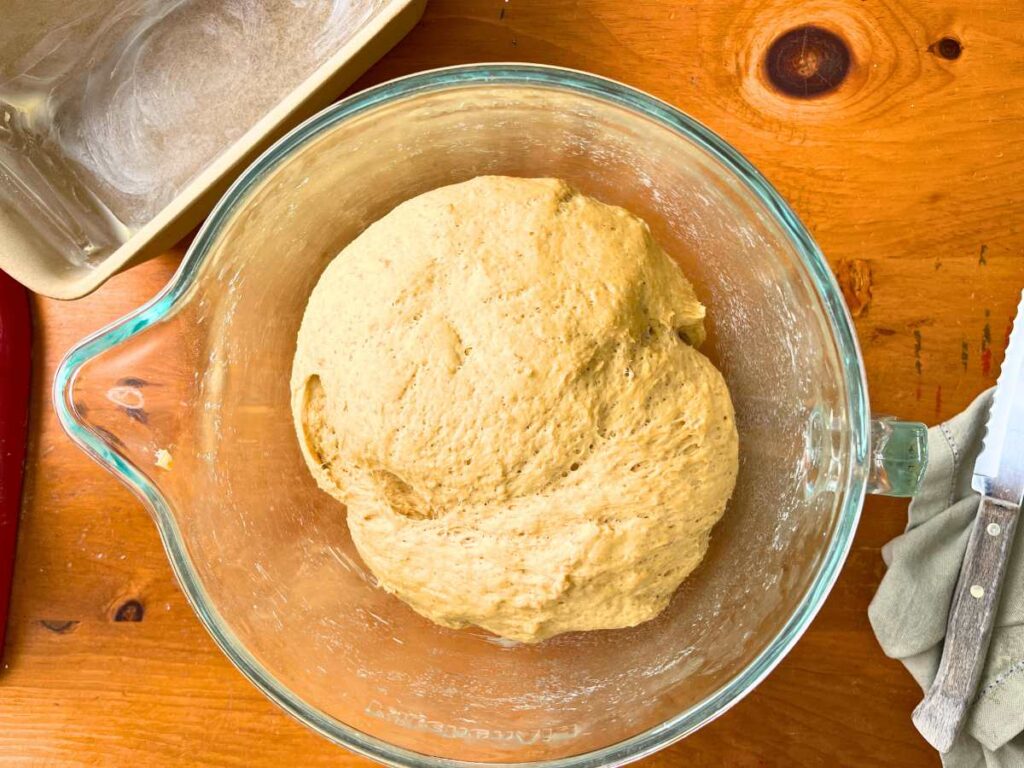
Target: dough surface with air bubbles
{"points": [[500, 379]]}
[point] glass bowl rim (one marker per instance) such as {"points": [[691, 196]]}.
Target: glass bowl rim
{"points": [[505, 74]]}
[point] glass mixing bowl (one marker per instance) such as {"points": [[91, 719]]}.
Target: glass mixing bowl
{"points": [[187, 401]]}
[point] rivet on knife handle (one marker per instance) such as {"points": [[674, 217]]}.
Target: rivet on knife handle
{"points": [[941, 714]]}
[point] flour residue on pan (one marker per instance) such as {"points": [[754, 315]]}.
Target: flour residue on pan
{"points": [[114, 112]]}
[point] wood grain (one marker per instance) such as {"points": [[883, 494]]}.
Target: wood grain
{"points": [[907, 171]]}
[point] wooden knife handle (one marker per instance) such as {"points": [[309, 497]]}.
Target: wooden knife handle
{"points": [[972, 615]]}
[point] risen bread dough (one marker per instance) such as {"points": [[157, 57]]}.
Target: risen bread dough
{"points": [[499, 379]]}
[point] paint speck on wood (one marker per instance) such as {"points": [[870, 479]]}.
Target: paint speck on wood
{"points": [[917, 351], [986, 345]]}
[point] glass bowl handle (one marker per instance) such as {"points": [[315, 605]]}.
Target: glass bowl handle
{"points": [[899, 455]]}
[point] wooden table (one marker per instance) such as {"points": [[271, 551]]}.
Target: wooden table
{"points": [[907, 167]]}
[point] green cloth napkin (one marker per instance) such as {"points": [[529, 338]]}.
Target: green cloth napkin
{"points": [[910, 609]]}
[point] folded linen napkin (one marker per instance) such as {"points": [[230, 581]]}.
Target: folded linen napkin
{"points": [[911, 606]]}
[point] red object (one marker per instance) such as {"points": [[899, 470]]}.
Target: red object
{"points": [[15, 372]]}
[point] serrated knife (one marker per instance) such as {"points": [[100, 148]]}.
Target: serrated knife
{"points": [[999, 478]]}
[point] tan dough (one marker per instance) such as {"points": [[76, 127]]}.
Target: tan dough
{"points": [[497, 379]]}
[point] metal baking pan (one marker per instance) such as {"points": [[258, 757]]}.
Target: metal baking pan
{"points": [[123, 121]]}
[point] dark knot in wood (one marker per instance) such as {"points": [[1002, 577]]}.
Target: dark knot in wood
{"points": [[807, 61], [60, 626], [129, 610], [948, 48]]}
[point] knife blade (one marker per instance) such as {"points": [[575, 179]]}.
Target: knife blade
{"points": [[999, 478], [999, 469]]}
